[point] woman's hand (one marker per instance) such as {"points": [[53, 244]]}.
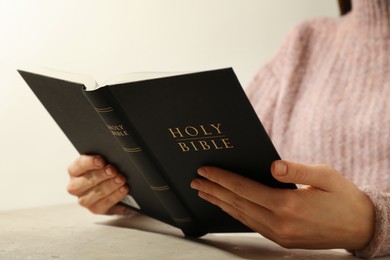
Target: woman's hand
{"points": [[328, 212], [98, 186]]}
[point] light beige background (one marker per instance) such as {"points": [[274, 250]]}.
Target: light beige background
{"points": [[107, 38]]}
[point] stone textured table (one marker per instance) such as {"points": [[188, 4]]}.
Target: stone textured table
{"points": [[71, 232]]}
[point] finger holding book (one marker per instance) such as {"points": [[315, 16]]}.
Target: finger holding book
{"points": [[321, 214], [98, 186]]}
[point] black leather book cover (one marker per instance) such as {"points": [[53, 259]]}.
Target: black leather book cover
{"points": [[181, 123], [79, 121]]}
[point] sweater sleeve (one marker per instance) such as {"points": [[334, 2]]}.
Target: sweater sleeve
{"points": [[380, 242], [266, 91]]}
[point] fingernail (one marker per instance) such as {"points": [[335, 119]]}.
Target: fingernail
{"points": [[109, 172], [195, 184], [118, 180], [123, 189], [202, 171], [280, 168], [97, 162]]}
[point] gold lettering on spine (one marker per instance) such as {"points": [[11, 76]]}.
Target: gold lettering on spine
{"points": [[104, 109], [132, 150], [118, 130], [159, 188]]}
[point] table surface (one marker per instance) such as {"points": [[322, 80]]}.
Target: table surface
{"points": [[71, 232]]}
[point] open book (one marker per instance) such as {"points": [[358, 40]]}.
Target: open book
{"points": [[159, 131]]}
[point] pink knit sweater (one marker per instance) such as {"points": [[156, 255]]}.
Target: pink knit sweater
{"points": [[325, 98]]}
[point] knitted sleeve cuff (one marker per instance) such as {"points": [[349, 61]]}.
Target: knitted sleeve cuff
{"points": [[380, 242]]}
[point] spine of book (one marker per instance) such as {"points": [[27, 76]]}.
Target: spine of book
{"points": [[123, 131]]}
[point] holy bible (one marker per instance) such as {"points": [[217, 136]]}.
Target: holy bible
{"points": [[159, 131]]}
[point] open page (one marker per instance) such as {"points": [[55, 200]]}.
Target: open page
{"points": [[91, 84]]}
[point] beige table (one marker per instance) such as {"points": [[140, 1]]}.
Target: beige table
{"points": [[71, 232]]}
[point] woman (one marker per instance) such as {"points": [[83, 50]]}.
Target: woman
{"points": [[323, 99]]}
